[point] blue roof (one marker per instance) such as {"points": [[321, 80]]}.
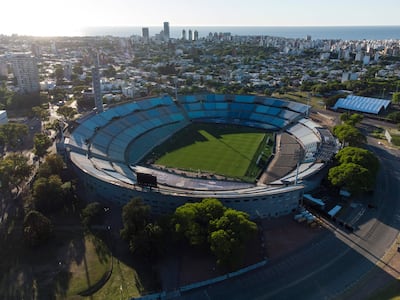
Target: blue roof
{"points": [[362, 104]]}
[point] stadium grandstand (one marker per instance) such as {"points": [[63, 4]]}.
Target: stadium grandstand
{"points": [[106, 150]]}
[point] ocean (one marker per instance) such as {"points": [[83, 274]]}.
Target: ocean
{"points": [[323, 32]]}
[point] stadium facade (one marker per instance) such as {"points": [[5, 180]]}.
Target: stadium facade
{"points": [[97, 149]]}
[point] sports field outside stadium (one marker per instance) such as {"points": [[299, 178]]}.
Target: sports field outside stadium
{"points": [[228, 150]]}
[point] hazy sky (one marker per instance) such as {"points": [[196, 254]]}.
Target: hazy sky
{"points": [[66, 17]]}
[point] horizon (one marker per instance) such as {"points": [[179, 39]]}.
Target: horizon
{"points": [[42, 17]]}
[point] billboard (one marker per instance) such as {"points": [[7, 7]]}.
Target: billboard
{"points": [[144, 179]]}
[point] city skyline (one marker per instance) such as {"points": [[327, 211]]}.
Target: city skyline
{"points": [[62, 17]]}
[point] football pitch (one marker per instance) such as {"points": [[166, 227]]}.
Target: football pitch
{"points": [[227, 150]]}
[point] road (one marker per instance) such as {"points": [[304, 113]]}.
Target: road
{"points": [[338, 264]]}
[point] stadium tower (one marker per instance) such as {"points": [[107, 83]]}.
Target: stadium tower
{"points": [[98, 101]]}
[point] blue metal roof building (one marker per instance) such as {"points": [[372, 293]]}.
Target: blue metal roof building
{"points": [[362, 104]]}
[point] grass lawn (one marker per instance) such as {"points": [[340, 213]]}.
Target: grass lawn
{"points": [[123, 284], [96, 262], [302, 97], [221, 149]]}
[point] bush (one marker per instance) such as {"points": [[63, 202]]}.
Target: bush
{"points": [[396, 140]]}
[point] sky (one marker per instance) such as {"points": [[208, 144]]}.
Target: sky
{"points": [[68, 17]]}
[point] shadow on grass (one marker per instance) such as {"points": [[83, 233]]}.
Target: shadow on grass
{"points": [[41, 272]]}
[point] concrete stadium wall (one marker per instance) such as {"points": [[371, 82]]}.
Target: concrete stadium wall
{"points": [[278, 203]]}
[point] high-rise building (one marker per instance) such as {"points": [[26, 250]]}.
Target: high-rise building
{"points": [[196, 35], [67, 70], [183, 34], [145, 33], [190, 35], [3, 66], [166, 31], [26, 72]]}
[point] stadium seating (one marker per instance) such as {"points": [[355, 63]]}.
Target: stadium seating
{"points": [[125, 133]]}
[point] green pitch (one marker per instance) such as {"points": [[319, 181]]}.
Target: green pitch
{"points": [[227, 150]]}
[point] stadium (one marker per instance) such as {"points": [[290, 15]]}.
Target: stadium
{"points": [[120, 153]]}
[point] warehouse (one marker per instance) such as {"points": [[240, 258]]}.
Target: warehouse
{"points": [[362, 104]]}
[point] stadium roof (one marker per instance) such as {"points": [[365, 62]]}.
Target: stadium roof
{"points": [[362, 104]]}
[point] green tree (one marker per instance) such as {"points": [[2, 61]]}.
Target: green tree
{"points": [[359, 156], [92, 214], [352, 177], [396, 97], [331, 100], [41, 143], [67, 112], [77, 69], [348, 134], [110, 72], [135, 217], [37, 228], [192, 220], [394, 116], [210, 224], [233, 230], [14, 169], [13, 133], [351, 119], [41, 113], [146, 238], [221, 244], [149, 242], [53, 165], [48, 193]]}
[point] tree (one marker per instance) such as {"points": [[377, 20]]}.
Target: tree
{"points": [[13, 133], [41, 113], [394, 116], [396, 97], [352, 177], [41, 143], [192, 220], [222, 245], [92, 214], [348, 134], [77, 69], [67, 112], [37, 228], [14, 169], [53, 165], [344, 117], [208, 223], [148, 242], [48, 193], [135, 217], [144, 237], [359, 156], [351, 119], [331, 101], [229, 235]]}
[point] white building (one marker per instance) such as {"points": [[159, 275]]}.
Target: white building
{"points": [[26, 72]]}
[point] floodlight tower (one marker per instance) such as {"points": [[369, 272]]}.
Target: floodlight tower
{"points": [[98, 101]]}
